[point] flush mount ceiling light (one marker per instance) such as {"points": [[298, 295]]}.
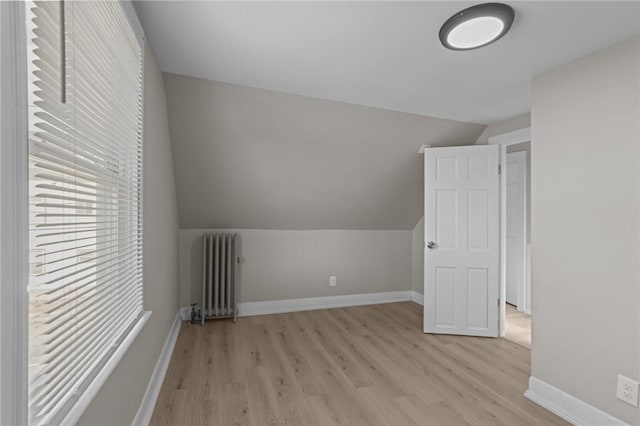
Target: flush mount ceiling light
{"points": [[476, 26]]}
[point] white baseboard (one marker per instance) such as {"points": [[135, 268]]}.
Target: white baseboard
{"points": [[185, 313], [157, 377], [417, 298], [312, 303], [570, 408]]}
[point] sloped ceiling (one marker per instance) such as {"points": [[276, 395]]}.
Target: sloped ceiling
{"points": [[383, 54], [253, 158]]}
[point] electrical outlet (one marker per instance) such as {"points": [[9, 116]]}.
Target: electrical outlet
{"points": [[627, 390], [332, 281]]}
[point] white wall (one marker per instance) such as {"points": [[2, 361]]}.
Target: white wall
{"points": [[586, 226], [119, 399], [505, 126], [297, 264]]}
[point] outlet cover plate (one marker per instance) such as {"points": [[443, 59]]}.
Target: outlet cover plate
{"points": [[627, 390], [332, 281]]}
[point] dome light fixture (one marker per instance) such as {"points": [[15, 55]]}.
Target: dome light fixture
{"points": [[476, 26]]}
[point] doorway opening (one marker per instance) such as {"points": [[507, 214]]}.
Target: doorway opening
{"points": [[517, 240], [476, 240], [515, 231]]}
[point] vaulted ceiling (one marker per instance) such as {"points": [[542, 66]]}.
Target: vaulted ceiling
{"points": [[380, 54]]}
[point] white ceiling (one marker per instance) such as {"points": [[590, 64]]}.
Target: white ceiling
{"points": [[380, 54]]}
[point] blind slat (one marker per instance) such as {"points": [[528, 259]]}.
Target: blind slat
{"points": [[85, 187]]}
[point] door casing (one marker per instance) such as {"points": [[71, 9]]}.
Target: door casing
{"points": [[504, 140]]}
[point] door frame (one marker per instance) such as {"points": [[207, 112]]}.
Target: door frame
{"points": [[504, 140]]}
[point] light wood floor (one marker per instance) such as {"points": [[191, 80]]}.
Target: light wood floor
{"points": [[518, 327], [369, 365]]}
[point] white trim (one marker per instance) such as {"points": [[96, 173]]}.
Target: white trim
{"points": [[527, 279], [157, 377], [570, 408], [88, 394], [248, 309], [326, 302], [510, 138], [417, 298], [185, 313], [14, 215], [423, 148]]}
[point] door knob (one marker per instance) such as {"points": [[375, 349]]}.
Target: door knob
{"points": [[431, 245]]}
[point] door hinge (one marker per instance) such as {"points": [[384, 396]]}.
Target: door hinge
{"points": [[499, 169], [498, 303]]}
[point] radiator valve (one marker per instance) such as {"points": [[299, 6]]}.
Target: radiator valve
{"points": [[196, 314]]}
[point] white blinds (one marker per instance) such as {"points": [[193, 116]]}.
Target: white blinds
{"points": [[85, 183]]}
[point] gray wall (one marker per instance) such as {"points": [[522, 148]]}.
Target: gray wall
{"points": [[296, 264], [586, 226], [417, 257], [505, 126], [258, 159], [119, 399]]}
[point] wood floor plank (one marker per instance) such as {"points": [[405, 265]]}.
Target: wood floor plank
{"points": [[235, 409], [322, 411], [263, 409], [344, 399], [518, 327], [456, 378], [340, 357], [432, 414], [365, 365], [385, 408]]}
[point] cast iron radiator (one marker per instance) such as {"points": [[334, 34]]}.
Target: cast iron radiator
{"points": [[219, 275]]}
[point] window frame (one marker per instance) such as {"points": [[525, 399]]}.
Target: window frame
{"points": [[14, 214]]}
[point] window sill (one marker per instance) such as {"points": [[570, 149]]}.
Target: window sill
{"points": [[89, 394]]}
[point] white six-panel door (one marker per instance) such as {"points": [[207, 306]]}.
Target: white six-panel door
{"points": [[462, 230]]}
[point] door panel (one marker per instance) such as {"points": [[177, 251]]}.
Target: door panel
{"points": [[446, 226], [446, 168], [478, 168], [445, 281], [462, 284], [478, 298], [478, 213]]}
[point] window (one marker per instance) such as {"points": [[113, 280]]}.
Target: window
{"points": [[85, 191]]}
